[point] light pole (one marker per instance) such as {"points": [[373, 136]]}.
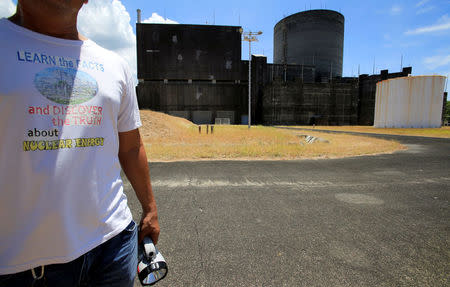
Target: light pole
{"points": [[250, 37]]}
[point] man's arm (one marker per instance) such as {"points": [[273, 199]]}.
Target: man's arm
{"points": [[133, 160]]}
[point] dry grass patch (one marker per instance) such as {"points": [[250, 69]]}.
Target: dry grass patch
{"points": [[443, 132], [170, 138]]}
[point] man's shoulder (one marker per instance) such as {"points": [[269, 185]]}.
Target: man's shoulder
{"points": [[109, 54], [102, 50], [4, 22]]}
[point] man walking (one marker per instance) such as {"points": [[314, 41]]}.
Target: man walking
{"points": [[68, 122]]}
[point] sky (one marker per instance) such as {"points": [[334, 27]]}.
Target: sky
{"points": [[385, 34]]}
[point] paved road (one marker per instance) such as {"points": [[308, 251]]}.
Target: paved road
{"points": [[364, 221]]}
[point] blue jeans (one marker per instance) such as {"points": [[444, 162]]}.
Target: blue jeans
{"points": [[113, 263]]}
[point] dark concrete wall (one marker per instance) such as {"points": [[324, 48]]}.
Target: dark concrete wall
{"points": [[314, 37], [342, 101], [333, 103], [263, 74], [291, 72], [192, 71], [179, 52], [197, 96]]}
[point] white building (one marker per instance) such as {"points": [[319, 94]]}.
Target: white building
{"points": [[409, 102]]}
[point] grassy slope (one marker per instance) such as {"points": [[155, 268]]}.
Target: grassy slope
{"points": [[171, 138]]}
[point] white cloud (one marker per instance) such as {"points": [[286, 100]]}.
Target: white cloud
{"points": [[107, 23], [425, 10], [7, 8], [395, 10], [157, 19], [442, 25], [422, 2], [437, 61]]}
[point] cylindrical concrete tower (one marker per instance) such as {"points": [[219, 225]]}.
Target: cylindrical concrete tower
{"points": [[314, 37]]}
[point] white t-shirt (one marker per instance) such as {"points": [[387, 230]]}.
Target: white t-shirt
{"points": [[62, 104]]}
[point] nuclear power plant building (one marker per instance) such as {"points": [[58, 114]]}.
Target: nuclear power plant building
{"points": [[196, 72]]}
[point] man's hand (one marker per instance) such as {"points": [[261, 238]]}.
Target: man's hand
{"points": [[134, 163], [149, 226]]}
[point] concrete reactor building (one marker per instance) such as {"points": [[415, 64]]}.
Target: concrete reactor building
{"points": [[314, 38], [190, 71], [196, 72]]}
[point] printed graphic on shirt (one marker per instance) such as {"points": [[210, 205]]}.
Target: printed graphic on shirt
{"points": [[58, 61], [66, 86], [62, 144], [73, 115]]}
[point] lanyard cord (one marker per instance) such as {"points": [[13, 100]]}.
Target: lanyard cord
{"points": [[40, 276]]}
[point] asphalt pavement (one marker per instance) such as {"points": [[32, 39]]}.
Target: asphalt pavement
{"points": [[379, 220]]}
